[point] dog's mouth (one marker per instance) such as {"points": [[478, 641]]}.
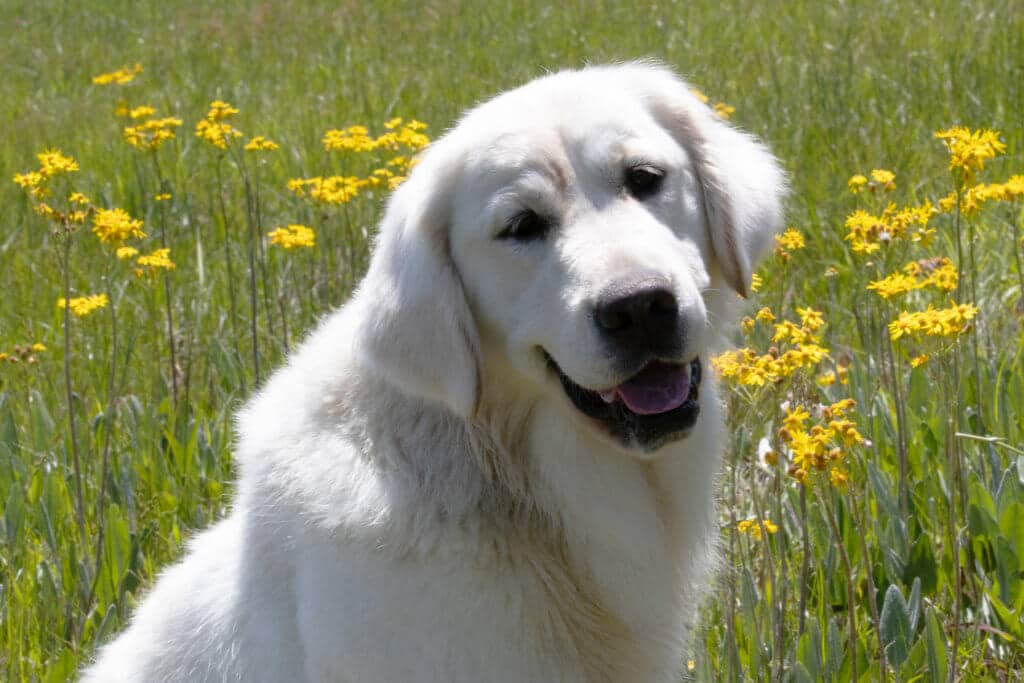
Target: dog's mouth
{"points": [[656, 405]]}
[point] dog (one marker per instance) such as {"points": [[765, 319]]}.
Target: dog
{"points": [[496, 461]]}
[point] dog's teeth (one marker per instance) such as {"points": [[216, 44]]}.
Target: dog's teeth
{"points": [[608, 396]]}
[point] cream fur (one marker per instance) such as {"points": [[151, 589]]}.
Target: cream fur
{"points": [[417, 498]]}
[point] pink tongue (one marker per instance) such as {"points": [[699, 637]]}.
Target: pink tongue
{"points": [[658, 388]]}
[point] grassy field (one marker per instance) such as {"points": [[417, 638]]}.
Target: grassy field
{"points": [[878, 541]]}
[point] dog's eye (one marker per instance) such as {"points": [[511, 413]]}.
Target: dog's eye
{"points": [[643, 181], [526, 226]]}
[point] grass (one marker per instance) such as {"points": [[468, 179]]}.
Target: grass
{"points": [[918, 561]]}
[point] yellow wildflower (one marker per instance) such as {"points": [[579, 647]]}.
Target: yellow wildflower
{"points": [[78, 198], [747, 324], [83, 305], [113, 226], [752, 527], [756, 281], [38, 347], [918, 361], [810, 318], [118, 77], [826, 379], [220, 110], [699, 95], [52, 162], [933, 322], [724, 110], [886, 179], [125, 253], [159, 259], [151, 134], [292, 236], [162, 197], [968, 150], [260, 144], [795, 418], [856, 182], [141, 112], [765, 315]]}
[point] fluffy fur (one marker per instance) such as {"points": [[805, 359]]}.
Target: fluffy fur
{"points": [[418, 499]]}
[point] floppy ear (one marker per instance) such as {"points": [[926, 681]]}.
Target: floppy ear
{"points": [[741, 180], [416, 327]]}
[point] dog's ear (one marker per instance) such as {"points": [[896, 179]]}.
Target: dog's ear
{"points": [[742, 183], [416, 326]]}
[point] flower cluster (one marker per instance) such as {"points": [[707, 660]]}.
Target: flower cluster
{"points": [[821, 446], [118, 77], [939, 273], [752, 527], [83, 305], [260, 144], [214, 129], [880, 179], [113, 226], [292, 236], [398, 135], [52, 163], [972, 198], [866, 233], [159, 259], [788, 242], [968, 150], [22, 353], [150, 134], [747, 367], [330, 190], [942, 322]]}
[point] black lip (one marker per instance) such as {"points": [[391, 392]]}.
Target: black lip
{"points": [[646, 431]]}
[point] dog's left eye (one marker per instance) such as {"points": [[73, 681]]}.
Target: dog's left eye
{"points": [[643, 181], [526, 226]]}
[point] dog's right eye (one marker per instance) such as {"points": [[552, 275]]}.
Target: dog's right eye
{"points": [[526, 226]]}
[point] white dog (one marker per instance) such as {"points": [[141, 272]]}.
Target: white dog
{"points": [[495, 463]]}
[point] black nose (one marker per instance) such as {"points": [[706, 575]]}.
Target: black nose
{"points": [[640, 318]]}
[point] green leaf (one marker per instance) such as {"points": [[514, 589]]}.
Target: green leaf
{"points": [[922, 565], [935, 643], [914, 604], [895, 627]]}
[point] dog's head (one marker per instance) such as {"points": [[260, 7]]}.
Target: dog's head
{"points": [[574, 240]]}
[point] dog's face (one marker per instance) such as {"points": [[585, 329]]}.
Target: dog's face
{"points": [[577, 236]]}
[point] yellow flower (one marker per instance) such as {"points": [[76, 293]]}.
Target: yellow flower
{"points": [[78, 198], [792, 239], [756, 282], [292, 236], [826, 379], [113, 226], [856, 182], [52, 162], [125, 253], [810, 318], [159, 259], [83, 305], [968, 150], [944, 322], [753, 528], [38, 347], [699, 95], [119, 77], [213, 129], [162, 197], [724, 110], [887, 179], [151, 134], [765, 315], [260, 144], [747, 324], [141, 112], [329, 190], [795, 418], [918, 361]]}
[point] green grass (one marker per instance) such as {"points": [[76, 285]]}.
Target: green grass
{"points": [[835, 88]]}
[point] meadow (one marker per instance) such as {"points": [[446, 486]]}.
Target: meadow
{"points": [[872, 513]]}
